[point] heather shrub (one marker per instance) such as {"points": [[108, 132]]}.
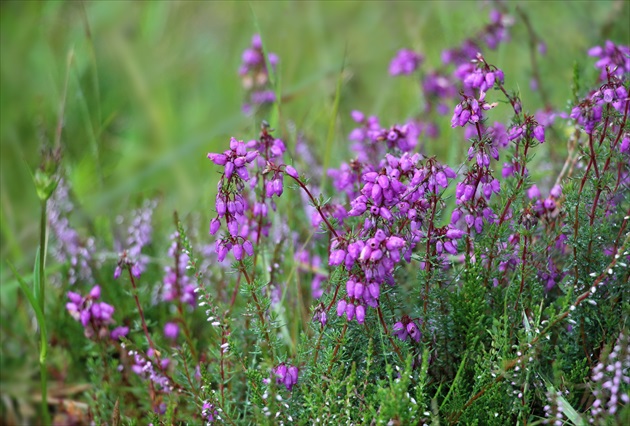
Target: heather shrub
{"points": [[388, 287]]}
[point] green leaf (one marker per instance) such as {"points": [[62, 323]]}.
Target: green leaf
{"points": [[567, 409], [38, 313], [36, 277]]}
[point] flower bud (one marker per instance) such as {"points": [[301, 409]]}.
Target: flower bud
{"points": [[341, 307], [350, 311], [336, 257], [360, 312], [292, 172], [215, 224], [249, 249], [238, 251], [95, 293]]}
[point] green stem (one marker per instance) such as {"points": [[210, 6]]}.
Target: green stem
{"points": [[42, 257], [43, 349], [44, 389]]}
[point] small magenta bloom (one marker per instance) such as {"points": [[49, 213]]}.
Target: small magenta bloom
{"points": [[413, 331], [405, 62], [320, 316], [119, 332], [406, 327], [287, 376], [209, 412], [292, 172], [94, 316], [171, 330], [360, 313], [611, 56], [341, 307], [533, 192], [400, 331]]}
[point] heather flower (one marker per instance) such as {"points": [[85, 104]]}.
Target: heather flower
{"points": [[547, 117], [145, 367], [613, 93], [255, 75], [533, 192], [497, 31], [438, 86], [470, 110], [287, 376], [94, 316], [171, 330], [612, 57], [372, 141], [588, 114], [119, 332], [138, 235], [478, 74], [346, 178], [528, 130], [262, 97], [406, 327], [463, 54], [445, 239], [405, 62], [611, 381], [551, 276], [209, 412], [230, 204], [320, 315], [68, 247], [555, 410], [178, 286]]}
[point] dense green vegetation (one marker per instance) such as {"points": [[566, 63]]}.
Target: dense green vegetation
{"points": [[136, 94]]}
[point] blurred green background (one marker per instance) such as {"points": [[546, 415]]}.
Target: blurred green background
{"points": [[153, 86]]}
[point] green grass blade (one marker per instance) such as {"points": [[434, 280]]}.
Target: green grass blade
{"points": [[567, 409], [36, 277], [333, 120], [36, 308]]}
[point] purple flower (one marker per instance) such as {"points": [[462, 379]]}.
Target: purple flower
{"points": [[533, 192], [470, 110], [119, 332], [400, 331], [588, 113], [341, 307], [68, 247], [478, 74], [497, 31], [287, 376], [292, 172], [139, 235], [255, 75], [320, 315], [613, 57], [209, 412], [360, 314], [149, 369], [413, 331], [95, 317], [177, 284], [405, 62], [230, 203], [407, 327], [171, 330]]}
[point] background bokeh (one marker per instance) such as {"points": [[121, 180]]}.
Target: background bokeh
{"points": [[153, 86]]}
